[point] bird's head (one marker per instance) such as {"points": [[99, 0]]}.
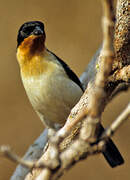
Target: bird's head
{"points": [[31, 37]]}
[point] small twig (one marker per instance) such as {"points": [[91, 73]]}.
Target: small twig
{"points": [[6, 151], [117, 123], [120, 88]]}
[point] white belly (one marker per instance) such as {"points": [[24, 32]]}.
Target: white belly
{"points": [[52, 97]]}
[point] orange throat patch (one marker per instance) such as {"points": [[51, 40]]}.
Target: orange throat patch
{"points": [[30, 55], [32, 45]]}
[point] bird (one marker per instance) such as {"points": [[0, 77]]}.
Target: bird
{"points": [[51, 86]]}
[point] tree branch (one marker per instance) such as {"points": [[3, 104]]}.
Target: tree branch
{"points": [[78, 147], [117, 123]]}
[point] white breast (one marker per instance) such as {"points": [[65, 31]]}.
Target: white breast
{"points": [[52, 96]]}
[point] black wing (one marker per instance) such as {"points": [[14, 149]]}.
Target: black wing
{"points": [[69, 72]]}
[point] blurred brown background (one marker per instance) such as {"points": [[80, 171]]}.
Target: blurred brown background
{"points": [[73, 33]]}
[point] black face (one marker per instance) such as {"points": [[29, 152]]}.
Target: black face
{"points": [[30, 28]]}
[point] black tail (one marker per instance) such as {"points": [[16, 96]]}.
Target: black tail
{"points": [[111, 153]]}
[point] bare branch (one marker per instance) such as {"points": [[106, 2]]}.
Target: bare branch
{"points": [[120, 88], [6, 151], [73, 153], [117, 123]]}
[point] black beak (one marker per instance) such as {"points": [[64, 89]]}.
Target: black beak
{"points": [[37, 31]]}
